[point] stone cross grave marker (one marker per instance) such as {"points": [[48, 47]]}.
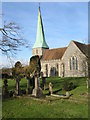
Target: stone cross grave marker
{"points": [[37, 91]]}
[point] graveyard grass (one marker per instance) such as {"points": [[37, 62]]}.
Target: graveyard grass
{"points": [[25, 107]]}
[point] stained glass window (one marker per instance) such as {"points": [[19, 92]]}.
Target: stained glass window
{"points": [[70, 65], [73, 60]]}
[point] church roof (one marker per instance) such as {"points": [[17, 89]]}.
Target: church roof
{"points": [[83, 47], [53, 54], [40, 37]]}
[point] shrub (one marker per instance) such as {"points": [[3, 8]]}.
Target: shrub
{"points": [[11, 93], [69, 86]]}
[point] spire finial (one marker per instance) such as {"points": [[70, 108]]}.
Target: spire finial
{"points": [[39, 6]]}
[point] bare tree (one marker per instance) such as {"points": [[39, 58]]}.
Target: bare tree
{"points": [[11, 39]]}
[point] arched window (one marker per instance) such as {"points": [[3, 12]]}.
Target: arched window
{"points": [[57, 66], [70, 64], [36, 51], [76, 64], [73, 60]]}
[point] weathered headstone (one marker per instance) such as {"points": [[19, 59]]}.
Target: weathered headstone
{"points": [[50, 88], [46, 87], [67, 94], [88, 83], [17, 91], [37, 91]]}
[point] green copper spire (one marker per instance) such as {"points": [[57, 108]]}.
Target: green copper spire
{"points": [[40, 38]]}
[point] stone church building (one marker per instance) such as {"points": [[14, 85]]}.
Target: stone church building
{"points": [[70, 61]]}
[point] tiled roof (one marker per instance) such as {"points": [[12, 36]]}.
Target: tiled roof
{"points": [[88, 50], [83, 47], [53, 54]]}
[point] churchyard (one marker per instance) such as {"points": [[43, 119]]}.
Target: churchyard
{"points": [[26, 106], [28, 91]]}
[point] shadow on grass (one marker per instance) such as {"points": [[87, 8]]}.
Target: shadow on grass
{"points": [[54, 92]]}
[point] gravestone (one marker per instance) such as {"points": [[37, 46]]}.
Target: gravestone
{"points": [[67, 94], [88, 83], [17, 91], [37, 91], [50, 88], [5, 89], [46, 87]]}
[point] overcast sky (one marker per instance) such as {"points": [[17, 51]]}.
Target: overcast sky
{"points": [[62, 23]]}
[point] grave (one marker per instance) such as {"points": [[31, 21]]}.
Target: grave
{"points": [[37, 91], [88, 83]]}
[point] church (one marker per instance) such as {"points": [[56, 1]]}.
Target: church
{"points": [[70, 61]]}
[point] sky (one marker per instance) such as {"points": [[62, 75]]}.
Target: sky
{"points": [[63, 22]]}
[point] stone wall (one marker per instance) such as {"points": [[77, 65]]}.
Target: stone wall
{"points": [[38, 51], [53, 67], [71, 51], [64, 64]]}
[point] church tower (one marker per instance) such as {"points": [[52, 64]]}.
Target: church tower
{"points": [[40, 45]]}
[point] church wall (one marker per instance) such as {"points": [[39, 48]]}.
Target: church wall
{"points": [[64, 64], [71, 51], [60, 67], [53, 67]]}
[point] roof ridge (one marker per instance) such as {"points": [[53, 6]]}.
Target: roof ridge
{"points": [[57, 48], [54, 54], [82, 47], [78, 42]]}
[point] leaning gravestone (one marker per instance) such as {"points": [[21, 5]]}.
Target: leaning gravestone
{"points": [[50, 88], [46, 87], [37, 91], [67, 94]]}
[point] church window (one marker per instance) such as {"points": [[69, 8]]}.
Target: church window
{"points": [[76, 64], [70, 65], [57, 66], [73, 60], [36, 51]]}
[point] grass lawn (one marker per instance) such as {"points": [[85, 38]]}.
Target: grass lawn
{"points": [[50, 107]]}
